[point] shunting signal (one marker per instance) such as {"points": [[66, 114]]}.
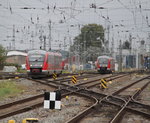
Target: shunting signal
{"points": [[103, 83], [54, 76], [74, 79]]}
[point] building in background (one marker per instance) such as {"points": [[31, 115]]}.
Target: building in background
{"points": [[16, 57]]}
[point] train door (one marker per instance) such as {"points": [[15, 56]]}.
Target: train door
{"points": [[51, 63]]}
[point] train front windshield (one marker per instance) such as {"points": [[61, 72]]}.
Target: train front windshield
{"points": [[103, 61], [36, 60]]}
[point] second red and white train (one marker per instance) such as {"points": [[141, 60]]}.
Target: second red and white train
{"points": [[105, 64]]}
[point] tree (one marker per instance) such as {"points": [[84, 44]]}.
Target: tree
{"points": [[2, 56], [89, 41]]}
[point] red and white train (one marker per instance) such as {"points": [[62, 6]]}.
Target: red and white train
{"points": [[105, 64], [41, 63]]}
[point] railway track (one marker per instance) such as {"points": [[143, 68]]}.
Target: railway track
{"points": [[79, 89], [122, 105], [6, 75], [36, 101]]}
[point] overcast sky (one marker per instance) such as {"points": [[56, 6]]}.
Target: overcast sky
{"points": [[31, 20]]}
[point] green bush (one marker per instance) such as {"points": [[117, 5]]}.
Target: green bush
{"points": [[12, 64]]}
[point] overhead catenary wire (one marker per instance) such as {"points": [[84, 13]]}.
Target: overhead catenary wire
{"points": [[65, 13]]}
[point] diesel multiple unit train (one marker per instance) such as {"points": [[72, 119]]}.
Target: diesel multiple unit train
{"points": [[105, 64], [41, 63]]}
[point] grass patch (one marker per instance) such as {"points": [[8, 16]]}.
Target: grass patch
{"points": [[21, 71], [9, 88]]}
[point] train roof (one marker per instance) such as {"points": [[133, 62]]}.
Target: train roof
{"points": [[43, 52], [108, 57], [37, 52]]}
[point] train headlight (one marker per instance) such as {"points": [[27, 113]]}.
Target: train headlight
{"points": [[31, 65]]}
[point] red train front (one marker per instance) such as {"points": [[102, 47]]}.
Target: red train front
{"points": [[40, 63], [105, 64]]}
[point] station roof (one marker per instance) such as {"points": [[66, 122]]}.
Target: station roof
{"points": [[16, 53]]}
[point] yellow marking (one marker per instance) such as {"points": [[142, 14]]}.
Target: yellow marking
{"points": [[54, 76], [30, 120], [11, 121], [138, 89], [67, 97], [73, 77], [103, 85], [16, 77], [103, 81], [74, 81], [85, 79]]}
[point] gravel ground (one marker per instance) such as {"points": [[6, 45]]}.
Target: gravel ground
{"points": [[75, 104], [70, 107], [132, 118], [28, 91], [145, 96], [114, 86], [101, 115]]}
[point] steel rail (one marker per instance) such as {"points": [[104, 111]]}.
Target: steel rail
{"points": [[35, 104], [83, 113], [124, 88], [108, 78], [121, 113], [112, 99]]}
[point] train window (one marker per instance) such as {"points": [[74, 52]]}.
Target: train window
{"points": [[52, 58], [103, 61]]}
